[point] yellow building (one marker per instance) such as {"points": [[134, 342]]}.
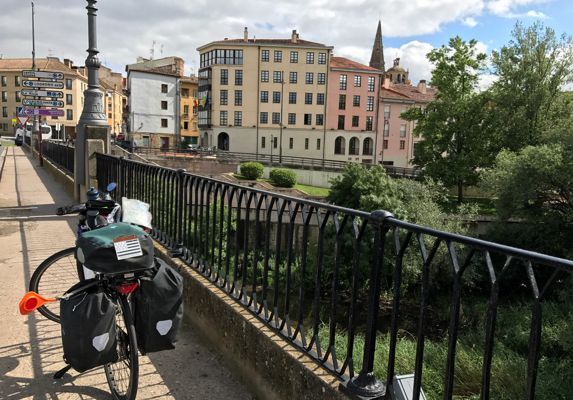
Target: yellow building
{"points": [[189, 132], [112, 85], [264, 96]]}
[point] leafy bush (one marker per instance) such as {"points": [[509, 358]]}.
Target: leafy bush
{"points": [[283, 177], [252, 170]]}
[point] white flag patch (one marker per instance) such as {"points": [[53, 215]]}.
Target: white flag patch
{"points": [[164, 326], [127, 247], [99, 342]]}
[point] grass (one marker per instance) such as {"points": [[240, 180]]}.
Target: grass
{"points": [[312, 190], [7, 143]]}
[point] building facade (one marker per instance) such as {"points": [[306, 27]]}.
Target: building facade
{"points": [[264, 96], [111, 84], [352, 110], [189, 107]]}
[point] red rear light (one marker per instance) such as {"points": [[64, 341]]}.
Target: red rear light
{"points": [[127, 288]]}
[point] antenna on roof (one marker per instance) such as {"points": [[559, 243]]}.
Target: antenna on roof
{"points": [[152, 51], [161, 50]]}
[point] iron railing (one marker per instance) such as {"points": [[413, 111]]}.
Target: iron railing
{"points": [[311, 270], [60, 154]]}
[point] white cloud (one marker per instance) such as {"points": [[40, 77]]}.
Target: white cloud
{"points": [[470, 21], [510, 8]]}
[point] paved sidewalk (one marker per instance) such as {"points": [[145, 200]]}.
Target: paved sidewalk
{"points": [[30, 347]]}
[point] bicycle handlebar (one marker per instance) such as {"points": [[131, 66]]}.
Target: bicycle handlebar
{"points": [[70, 209]]}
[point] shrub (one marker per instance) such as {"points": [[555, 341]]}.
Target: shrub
{"points": [[283, 177], [251, 170]]}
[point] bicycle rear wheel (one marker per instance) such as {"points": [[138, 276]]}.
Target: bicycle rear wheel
{"points": [[122, 376], [53, 277]]}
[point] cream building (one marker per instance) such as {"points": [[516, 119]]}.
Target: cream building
{"points": [[112, 86], [264, 96]]}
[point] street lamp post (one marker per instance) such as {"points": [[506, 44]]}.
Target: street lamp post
{"points": [[281, 122], [272, 144]]}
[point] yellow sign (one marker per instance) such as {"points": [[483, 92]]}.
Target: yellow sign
{"points": [[14, 121]]}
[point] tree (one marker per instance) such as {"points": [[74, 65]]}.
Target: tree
{"points": [[454, 146], [532, 71]]}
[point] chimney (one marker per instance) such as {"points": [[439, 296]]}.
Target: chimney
{"points": [[68, 63], [386, 84], [246, 35], [294, 36], [422, 86]]}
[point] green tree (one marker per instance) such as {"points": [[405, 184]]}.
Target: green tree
{"points": [[532, 70], [454, 146]]}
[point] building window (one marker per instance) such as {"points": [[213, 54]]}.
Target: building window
{"points": [[306, 143], [320, 98], [309, 78], [402, 130], [277, 76], [5, 112], [185, 111], [69, 115], [322, 58], [185, 93], [185, 124], [292, 97], [17, 81], [276, 118], [402, 144], [386, 111], [224, 77], [5, 81], [238, 118], [264, 76], [278, 56], [164, 105], [385, 144], [386, 128], [238, 77], [367, 147], [310, 57], [342, 82], [223, 118], [164, 122], [371, 83], [342, 102], [370, 103], [163, 88], [264, 118], [238, 97], [290, 143], [276, 97], [341, 122], [293, 77], [294, 57], [319, 119], [224, 97], [318, 144], [355, 121], [265, 56], [321, 78], [369, 122], [356, 101], [69, 84], [18, 97], [308, 98], [308, 119], [291, 118], [263, 142], [354, 147], [264, 96], [357, 81], [275, 142], [339, 145], [4, 96]]}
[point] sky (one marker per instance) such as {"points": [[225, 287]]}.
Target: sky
{"points": [[131, 28]]}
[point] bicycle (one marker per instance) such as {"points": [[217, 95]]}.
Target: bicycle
{"points": [[61, 270]]}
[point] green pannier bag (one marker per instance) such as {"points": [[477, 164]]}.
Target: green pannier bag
{"points": [[118, 248]]}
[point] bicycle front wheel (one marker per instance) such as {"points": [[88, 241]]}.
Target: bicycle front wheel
{"points": [[122, 375], [53, 277]]}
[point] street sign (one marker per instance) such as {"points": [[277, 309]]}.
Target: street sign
{"points": [[23, 120], [43, 84], [42, 93], [42, 103], [47, 113], [42, 74], [19, 111]]}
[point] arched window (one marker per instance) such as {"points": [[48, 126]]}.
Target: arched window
{"points": [[354, 148], [367, 147], [223, 141], [339, 145]]}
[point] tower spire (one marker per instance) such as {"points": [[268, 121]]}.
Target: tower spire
{"points": [[377, 57]]}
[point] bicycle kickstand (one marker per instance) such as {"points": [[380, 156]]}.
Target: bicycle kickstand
{"points": [[60, 374]]}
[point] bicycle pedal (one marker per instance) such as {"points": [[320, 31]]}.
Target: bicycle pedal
{"points": [[60, 374]]}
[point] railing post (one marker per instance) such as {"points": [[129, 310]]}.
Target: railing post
{"points": [[177, 249], [365, 385]]}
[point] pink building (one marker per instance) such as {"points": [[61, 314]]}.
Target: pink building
{"points": [[351, 116], [396, 143]]}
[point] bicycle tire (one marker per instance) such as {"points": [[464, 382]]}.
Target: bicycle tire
{"points": [[128, 362], [53, 277]]}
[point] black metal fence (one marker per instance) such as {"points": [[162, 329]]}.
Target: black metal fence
{"points": [[332, 280], [60, 154]]}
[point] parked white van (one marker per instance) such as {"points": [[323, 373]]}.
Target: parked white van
{"points": [[44, 128]]}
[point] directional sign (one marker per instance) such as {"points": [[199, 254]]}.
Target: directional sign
{"points": [[23, 120], [42, 103], [42, 93], [43, 84], [49, 113], [42, 74]]}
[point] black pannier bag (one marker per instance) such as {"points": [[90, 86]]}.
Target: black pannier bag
{"points": [[89, 332], [115, 249], [158, 308]]}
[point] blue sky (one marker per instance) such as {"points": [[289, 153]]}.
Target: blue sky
{"points": [[128, 28]]}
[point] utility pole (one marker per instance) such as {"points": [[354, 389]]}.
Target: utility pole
{"points": [[281, 121], [36, 123]]}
